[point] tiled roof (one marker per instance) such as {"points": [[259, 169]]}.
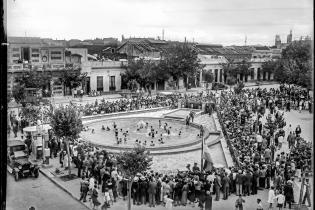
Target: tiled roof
{"points": [[24, 40]]}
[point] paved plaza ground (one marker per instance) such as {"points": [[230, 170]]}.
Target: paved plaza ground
{"points": [[47, 195]]}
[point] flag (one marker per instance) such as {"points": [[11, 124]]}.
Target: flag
{"points": [[208, 163]]}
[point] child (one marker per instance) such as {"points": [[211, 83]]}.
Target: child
{"points": [[94, 196], [107, 199], [168, 202], [259, 204], [239, 203], [280, 200]]}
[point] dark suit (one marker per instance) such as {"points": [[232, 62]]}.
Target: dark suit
{"points": [[226, 187], [248, 183], [152, 191]]}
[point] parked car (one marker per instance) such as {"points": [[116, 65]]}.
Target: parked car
{"points": [[18, 163], [219, 86]]}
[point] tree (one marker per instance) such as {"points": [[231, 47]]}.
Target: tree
{"points": [[131, 163], [242, 68], [31, 114], [181, 61], [269, 66], [72, 78], [238, 89], [30, 79], [280, 121], [230, 81], [66, 123], [295, 65], [209, 77], [270, 125], [229, 68]]}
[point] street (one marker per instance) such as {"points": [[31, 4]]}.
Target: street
{"points": [[40, 193]]}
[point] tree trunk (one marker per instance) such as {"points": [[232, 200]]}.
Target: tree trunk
{"points": [[68, 153], [129, 193]]}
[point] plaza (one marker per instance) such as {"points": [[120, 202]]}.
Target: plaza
{"points": [[136, 105]]}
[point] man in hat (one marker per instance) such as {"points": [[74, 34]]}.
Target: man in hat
{"points": [[143, 190], [84, 189], [239, 183], [136, 191], [195, 168], [307, 194], [152, 191], [288, 193]]}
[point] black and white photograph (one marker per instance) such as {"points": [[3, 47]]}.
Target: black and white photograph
{"points": [[157, 104]]}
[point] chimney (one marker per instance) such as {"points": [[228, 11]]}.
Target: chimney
{"points": [[163, 34]]}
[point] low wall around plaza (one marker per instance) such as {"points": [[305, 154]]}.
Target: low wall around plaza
{"points": [[228, 141], [119, 114]]}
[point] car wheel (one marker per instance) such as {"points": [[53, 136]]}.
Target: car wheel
{"points": [[36, 173], [16, 176]]}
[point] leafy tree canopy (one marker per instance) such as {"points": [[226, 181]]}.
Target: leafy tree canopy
{"points": [[66, 122], [295, 65], [73, 78], [134, 161]]}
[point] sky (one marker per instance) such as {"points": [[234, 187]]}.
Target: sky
{"points": [[225, 22]]}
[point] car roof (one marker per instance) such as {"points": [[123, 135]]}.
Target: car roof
{"points": [[13, 143]]}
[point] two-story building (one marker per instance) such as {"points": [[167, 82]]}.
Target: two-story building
{"points": [[52, 58]]}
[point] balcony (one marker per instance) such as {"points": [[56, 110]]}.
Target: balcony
{"points": [[37, 67], [106, 64]]}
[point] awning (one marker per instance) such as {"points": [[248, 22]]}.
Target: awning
{"points": [[44, 127]]}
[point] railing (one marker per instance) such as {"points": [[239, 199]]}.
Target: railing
{"points": [[40, 67], [100, 64]]}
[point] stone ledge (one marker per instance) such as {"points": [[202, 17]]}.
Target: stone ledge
{"points": [[46, 174]]}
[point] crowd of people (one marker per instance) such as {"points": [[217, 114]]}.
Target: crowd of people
{"points": [[257, 145], [260, 160]]}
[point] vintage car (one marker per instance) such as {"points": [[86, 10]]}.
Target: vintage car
{"points": [[18, 163]]}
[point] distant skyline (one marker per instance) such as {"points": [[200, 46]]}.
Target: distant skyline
{"points": [[225, 22]]}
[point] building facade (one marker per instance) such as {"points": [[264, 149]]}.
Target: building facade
{"points": [[53, 58]]}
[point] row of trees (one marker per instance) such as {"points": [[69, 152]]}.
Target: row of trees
{"points": [[41, 80], [178, 61]]}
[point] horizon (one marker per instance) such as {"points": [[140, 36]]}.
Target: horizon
{"points": [[223, 22]]}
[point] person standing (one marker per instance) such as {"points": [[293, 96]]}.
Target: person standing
{"points": [[239, 203], [280, 200], [259, 205], [307, 194], [152, 191], [239, 183], [271, 197], [84, 189], [288, 194], [217, 186], [298, 131], [208, 201], [226, 186]]}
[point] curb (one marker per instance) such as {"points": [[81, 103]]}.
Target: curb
{"points": [[63, 188]]}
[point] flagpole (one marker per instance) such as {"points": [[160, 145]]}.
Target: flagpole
{"points": [[201, 161]]}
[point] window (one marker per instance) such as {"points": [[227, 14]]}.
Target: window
{"points": [[35, 50], [99, 80], [56, 55], [112, 83], [16, 49], [16, 55], [35, 60], [35, 55]]}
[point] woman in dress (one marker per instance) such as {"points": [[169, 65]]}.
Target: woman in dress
{"points": [[184, 194]]}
